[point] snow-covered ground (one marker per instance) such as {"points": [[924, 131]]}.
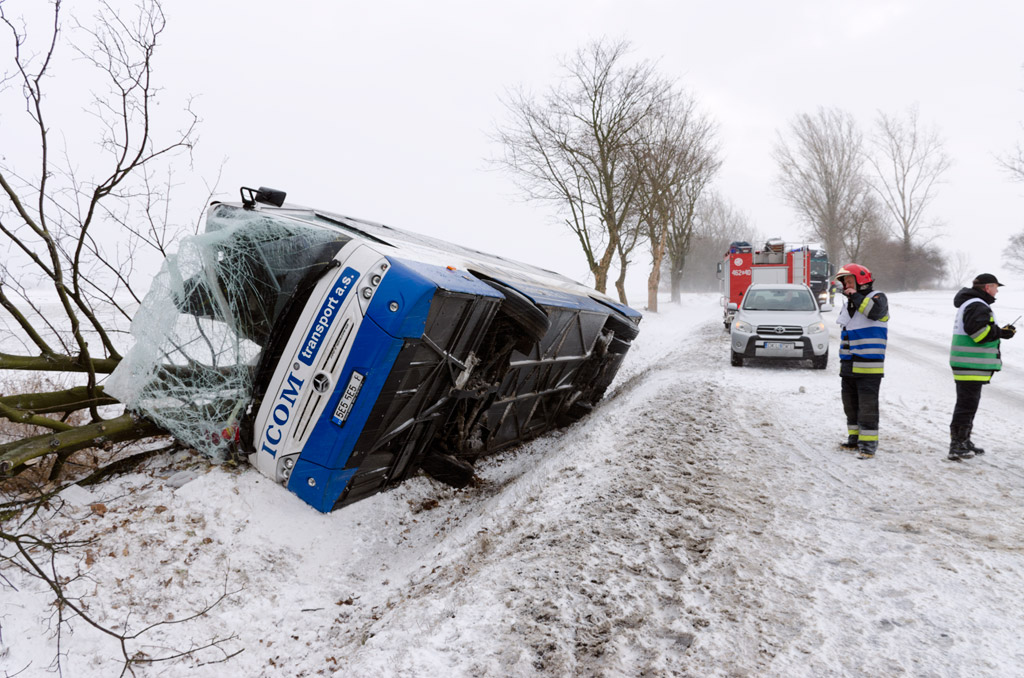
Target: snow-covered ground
{"points": [[702, 522]]}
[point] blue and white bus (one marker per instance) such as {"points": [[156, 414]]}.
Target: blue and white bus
{"points": [[360, 353]]}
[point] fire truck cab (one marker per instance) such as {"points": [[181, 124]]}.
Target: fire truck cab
{"points": [[743, 266]]}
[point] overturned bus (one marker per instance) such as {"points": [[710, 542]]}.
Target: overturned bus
{"points": [[342, 356]]}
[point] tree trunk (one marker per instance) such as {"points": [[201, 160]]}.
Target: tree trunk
{"points": [[600, 270], [676, 283], [905, 277], [620, 282], [654, 279], [121, 429]]}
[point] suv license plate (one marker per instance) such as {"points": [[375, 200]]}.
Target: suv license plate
{"points": [[778, 345]]}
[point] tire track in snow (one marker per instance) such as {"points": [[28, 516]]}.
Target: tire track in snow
{"points": [[600, 566], [835, 512]]}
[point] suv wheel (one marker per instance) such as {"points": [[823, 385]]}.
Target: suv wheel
{"points": [[737, 359]]}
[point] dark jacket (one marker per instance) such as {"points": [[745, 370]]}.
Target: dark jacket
{"points": [[976, 316]]}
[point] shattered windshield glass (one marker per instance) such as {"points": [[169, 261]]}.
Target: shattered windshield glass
{"points": [[210, 313]]}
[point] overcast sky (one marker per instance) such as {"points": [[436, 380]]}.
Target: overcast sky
{"points": [[384, 110]]}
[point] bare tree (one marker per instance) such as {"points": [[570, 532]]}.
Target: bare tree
{"points": [[76, 226], [821, 175], [960, 268], [1013, 255], [909, 162], [866, 226], [1013, 163], [683, 222], [680, 156], [575, 147], [716, 224], [925, 268], [73, 227]]}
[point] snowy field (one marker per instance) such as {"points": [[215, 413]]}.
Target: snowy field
{"points": [[701, 522]]}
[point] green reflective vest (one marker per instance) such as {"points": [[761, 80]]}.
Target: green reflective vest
{"points": [[972, 357]]}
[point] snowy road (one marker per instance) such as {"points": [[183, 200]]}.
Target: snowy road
{"points": [[703, 522]]}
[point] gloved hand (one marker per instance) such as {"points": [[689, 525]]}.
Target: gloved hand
{"points": [[1007, 331]]}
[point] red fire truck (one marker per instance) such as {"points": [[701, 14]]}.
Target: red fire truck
{"points": [[775, 263]]}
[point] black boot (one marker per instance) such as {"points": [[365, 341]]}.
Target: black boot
{"points": [[970, 445], [866, 449], [958, 449], [850, 443]]}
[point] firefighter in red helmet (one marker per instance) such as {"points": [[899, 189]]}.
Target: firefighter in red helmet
{"points": [[864, 319]]}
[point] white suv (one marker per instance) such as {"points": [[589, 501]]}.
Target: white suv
{"points": [[779, 321]]}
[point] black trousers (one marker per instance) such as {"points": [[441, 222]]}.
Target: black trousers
{"points": [[968, 395], [860, 402]]}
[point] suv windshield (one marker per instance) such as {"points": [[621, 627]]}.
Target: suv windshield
{"points": [[779, 300]]}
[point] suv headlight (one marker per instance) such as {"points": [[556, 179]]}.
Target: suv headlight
{"points": [[742, 326], [816, 328]]}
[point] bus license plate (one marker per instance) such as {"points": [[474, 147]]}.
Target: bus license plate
{"points": [[344, 408]]}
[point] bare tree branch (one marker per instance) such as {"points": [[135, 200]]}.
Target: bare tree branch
{"points": [[30, 552], [1014, 164]]}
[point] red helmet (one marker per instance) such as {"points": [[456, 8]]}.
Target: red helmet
{"points": [[861, 275]]}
